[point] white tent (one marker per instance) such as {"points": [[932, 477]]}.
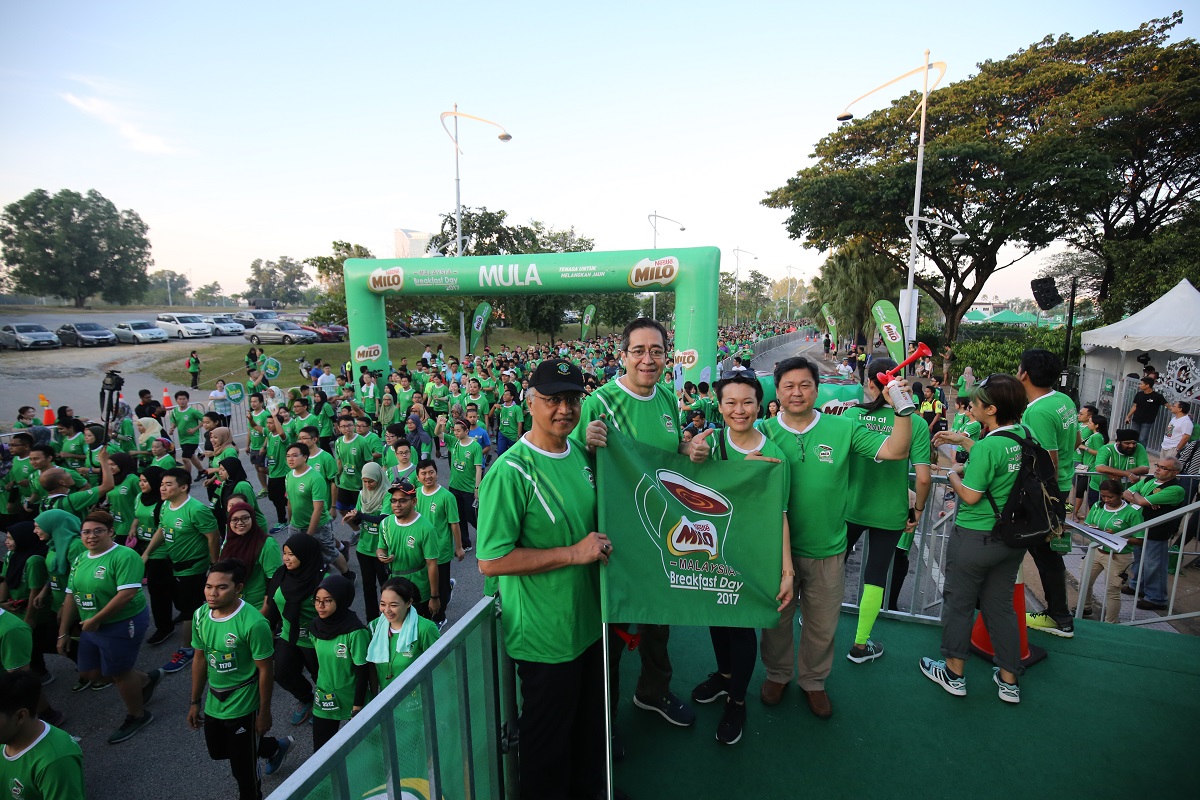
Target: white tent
{"points": [[1171, 324]]}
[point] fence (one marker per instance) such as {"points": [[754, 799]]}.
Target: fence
{"points": [[762, 348], [1115, 403]]}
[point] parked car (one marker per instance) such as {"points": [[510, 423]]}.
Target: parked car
{"points": [[85, 334], [279, 332], [248, 319], [138, 331], [224, 325], [323, 333], [183, 326], [27, 336], [342, 330]]}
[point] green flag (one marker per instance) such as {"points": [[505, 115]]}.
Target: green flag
{"points": [[887, 318], [693, 544], [483, 312], [272, 368], [758, 315], [830, 322], [589, 314], [235, 392]]}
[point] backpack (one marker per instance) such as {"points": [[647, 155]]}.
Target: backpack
{"points": [[1030, 515]]}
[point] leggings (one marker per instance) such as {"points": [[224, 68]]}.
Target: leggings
{"points": [[881, 545], [161, 586], [466, 513], [323, 730], [736, 650], [373, 575], [444, 590], [277, 494], [290, 662], [899, 573]]}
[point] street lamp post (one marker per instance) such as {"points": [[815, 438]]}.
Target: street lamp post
{"points": [[789, 269], [737, 274], [653, 220], [504, 136]]}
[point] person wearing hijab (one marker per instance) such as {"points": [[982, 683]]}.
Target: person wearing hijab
{"points": [[387, 411], [123, 434], [93, 437], [966, 381], [162, 454], [419, 439], [398, 635], [23, 576], [160, 581], [368, 512], [122, 496], [340, 640], [289, 598], [235, 484], [248, 542], [221, 447]]}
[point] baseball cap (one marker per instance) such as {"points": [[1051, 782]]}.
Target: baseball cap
{"points": [[555, 376]]}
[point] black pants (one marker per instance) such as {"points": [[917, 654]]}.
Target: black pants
{"points": [[45, 640], [466, 513], [235, 740], [323, 730], [735, 649], [195, 380], [562, 727], [444, 589], [160, 584], [1053, 573], [899, 573], [373, 575], [654, 681], [879, 552], [277, 494], [290, 662], [326, 443]]}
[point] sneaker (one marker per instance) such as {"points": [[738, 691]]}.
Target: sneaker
{"points": [[1041, 621], [280, 528], [1009, 692], [717, 685], [302, 714], [261, 493], [148, 690], [80, 685], [468, 547], [672, 709], [47, 679], [862, 653], [183, 656], [273, 764], [103, 683], [936, 672], [160, 635], [729, 729], [131, 726]]}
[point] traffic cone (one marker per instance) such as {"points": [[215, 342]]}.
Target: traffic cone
{"points": [[167, 399], [981, 643], [47, 414]]}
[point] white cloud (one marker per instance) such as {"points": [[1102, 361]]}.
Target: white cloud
{"points": [[116, 117]]}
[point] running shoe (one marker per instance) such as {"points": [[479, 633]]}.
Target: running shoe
{"points": [[729, 729], [468, 547], [48, 678], [155, 677], [130, 727], [1041, 621], [670, 707], [302, 714], [261, 493], [936, 671], [160, 635], [101, 684], [1009, 692], [273, 764], [183, 656], [80, 685], [862, 653], [713, 687]]}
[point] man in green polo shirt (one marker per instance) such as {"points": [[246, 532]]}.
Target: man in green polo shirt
{"points": [[538, 537], [308, 506], [436, 504], [1155, 496], [256, 436], [819, 449], [185, 428]]}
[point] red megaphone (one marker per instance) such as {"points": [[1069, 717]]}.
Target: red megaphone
{"points": [[922, 350]]}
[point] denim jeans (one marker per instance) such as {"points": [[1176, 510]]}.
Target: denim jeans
{"points": [[1154, 571], [1143, 431]]}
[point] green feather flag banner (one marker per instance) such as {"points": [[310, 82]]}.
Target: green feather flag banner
{"points": [[589, 315], [830, 322], [887, 319], [479, 321]]}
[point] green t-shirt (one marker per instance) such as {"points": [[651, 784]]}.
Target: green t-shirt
{"points": [[1115, 520], [96, 579], [1053, 420], [324, 463], [121, 504], [1083, 432], [276, 456], [307, 612], [400, 660], [878, 491], [1110, 456], [333, 694], [16, 642], [19, 472], [404, 400], [304, 491], [49, 769], [368, 532], [351, 457], [184, 536], [1091, 441], [187, 424], [144, 514], [78, 503], [73, 452], [1168, 496], [270, 558], [651, 420], [480, 402], [820, 457], [33, 579], [992, 468], [441, 509], [464, 458], [437, 398], [296, 424], [231, 646], [164, 462], [511, 417], [541, 500], [259, 435], [413, 545], [58, 580]]}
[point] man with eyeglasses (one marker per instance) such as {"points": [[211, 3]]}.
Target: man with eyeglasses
{"points": [[819, 449], [1155, 495], [636, 405], [539, 539]]}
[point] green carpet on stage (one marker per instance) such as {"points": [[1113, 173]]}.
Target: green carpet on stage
{"points": [[1113, 712]]}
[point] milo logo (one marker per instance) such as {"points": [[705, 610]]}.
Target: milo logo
{"points": [[368, 352], [658, 272], [890, 332], [687, 358], [688, 523], [478, 323], [386, 280]]}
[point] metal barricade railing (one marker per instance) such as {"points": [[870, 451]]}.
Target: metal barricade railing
{"points": [[439, 730], [761, 348]]}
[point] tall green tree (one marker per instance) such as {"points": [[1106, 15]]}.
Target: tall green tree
{"points": [[75, 246], [210, 294], [167, 287], [1144, 271], [616, 309], [332, 282], [283, 281], [851, 281]]}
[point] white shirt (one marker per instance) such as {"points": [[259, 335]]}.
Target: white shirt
{"points": [[1177, 428]]}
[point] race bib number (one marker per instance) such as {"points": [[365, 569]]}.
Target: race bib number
{"points": [[326, 701], [86, 601], [349, 470], [303, 633], [223, 662]]}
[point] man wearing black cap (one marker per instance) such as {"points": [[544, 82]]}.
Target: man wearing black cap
{"points": [[538, 537]]}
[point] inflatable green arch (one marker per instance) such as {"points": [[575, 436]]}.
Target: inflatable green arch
{"points": [[691, 273]]}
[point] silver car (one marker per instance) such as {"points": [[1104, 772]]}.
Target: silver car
{"points": [[274, 331], [28, 336], [138, 331], [183, 326], [223, 325], [85, 334]]}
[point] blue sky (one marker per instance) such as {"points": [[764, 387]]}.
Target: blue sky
{"points": [[254, 130]]}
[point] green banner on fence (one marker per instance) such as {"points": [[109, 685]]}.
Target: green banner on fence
{"points": [[693, 544], [887, 319]]}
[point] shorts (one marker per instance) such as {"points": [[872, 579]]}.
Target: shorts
{"points": [[188, 450], [187, 594], [113, 648], [258, 458], [347, 499], [324, 536]]}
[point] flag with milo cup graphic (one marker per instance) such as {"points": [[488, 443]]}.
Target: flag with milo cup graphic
{"points": [[693, 544]]}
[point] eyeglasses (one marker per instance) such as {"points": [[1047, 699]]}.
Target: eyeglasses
{"points": [[657, 353], [800, 445], [559, 400], [321, 602], [93, 532], [241, 519]]}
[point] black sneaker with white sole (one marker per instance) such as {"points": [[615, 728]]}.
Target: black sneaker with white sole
{"points": [[672, 709], [713, 687], [729, 729], [862, 653]]}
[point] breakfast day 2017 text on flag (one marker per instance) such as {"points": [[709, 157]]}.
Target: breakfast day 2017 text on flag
{"points": [[693, 544]]}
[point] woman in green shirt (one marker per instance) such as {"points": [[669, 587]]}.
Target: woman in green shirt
{"points": [[365, 519], [89, 468], [160, 581], [980, 568], [340, 639], [1097, 437], [1114, 515], [248, 542], [235, 484], [289, 600], [399, 635], [325, 413]]}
